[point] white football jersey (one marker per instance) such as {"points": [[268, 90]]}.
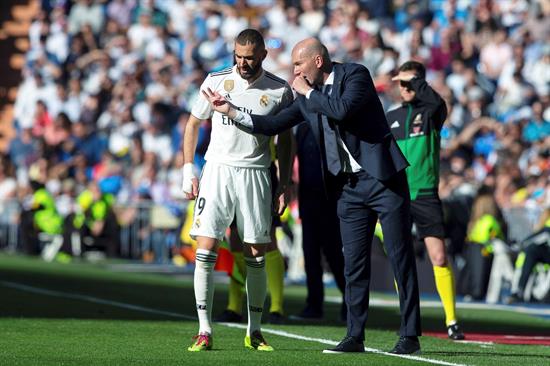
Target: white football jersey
{"points": [[228, 144]]}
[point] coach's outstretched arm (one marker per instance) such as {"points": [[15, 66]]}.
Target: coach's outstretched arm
{"points": [[253, 123]]}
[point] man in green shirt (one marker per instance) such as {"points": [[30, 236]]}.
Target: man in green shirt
{"points": [[416, 126]]}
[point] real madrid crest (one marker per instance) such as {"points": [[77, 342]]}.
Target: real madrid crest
{"points": [[264, 100], [198, 223], [228, 85]]}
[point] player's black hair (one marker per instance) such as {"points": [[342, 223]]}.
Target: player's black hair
{"points": [[250, 36], [414, 66]]}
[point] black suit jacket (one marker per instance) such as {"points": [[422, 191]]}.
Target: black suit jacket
{"points": [[355, 108]]}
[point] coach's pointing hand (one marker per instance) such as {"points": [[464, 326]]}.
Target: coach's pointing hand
{"points": [[219, 103]]}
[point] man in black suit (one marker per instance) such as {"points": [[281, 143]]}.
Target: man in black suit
{"points": [[347, 118]]}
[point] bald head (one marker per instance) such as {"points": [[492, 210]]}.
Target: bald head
{"points": [[312, 47], [311, 61]]}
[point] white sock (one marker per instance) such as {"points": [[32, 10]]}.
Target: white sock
{"points": [[256, 288], [204, 288]]}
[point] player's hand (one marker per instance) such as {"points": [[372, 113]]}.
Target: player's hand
{"points": [[190, 183], [219, 103], [301, 85]]}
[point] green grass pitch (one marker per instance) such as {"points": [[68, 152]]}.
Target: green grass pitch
{"points": [[88, 314]]}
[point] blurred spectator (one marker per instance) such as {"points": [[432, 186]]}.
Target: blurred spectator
{"points": [[57, 131], [293, 32], [23, 149], [157, 141], [42, 119], [87, 142], [441, 55], [276, 61], [8, 184], [312, 17], [30, 92], [333, 31], [535, 250], [86, 12], [486, 224], [93, 222], [40, 214], [142, 32], [212, 53], [120, 11], [232, 23], [495, 55], [538, 127]]}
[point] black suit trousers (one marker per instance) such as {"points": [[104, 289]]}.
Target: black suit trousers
{"points": [[320, 236], [362, 201]]}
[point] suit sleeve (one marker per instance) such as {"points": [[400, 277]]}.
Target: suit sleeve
{"points": [[287, 97], [431, 99], [271, 125], [357, 90]]}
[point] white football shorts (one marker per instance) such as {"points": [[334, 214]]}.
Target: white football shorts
{"points": [[227, 193]]}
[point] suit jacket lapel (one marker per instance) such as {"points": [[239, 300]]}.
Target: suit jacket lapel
{"points": [[338, 77], [337, 90]]}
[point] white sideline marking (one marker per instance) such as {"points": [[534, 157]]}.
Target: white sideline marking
{"points": [[282, 333], [144, 309], [93, 299], [459, 305]]}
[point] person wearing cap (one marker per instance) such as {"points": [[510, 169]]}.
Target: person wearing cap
{"points": [[416, 125]]}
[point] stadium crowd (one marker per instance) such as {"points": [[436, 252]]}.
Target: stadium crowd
{"points": [[108, 85]]}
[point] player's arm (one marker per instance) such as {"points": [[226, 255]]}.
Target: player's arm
{"points": [[285, 157], [190, 185], [201, 110], [269, 125]]}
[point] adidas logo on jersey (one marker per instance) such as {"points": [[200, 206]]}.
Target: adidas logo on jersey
{"points": [[395, 124]]}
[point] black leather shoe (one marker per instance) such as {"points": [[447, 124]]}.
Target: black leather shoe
{"points": [[348, 344], [455, 333], [406, 346]]}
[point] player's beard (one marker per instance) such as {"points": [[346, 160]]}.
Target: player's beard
{"points": [[248, 73]]}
